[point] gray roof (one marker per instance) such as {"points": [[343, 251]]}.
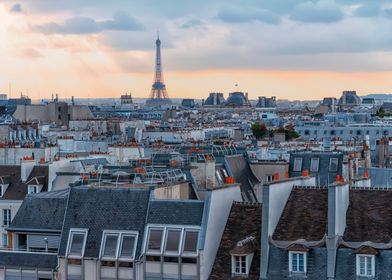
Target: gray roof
{"points": [[176, 212], [104, 209], [41, 212], [243, 174], [28, 260], [94, 161]]}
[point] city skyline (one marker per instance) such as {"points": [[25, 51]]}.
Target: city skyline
{"points": [[298, 50]]}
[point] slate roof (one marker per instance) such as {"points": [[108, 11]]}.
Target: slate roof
{"points": [[17, 190], [104, 209], [244, 221], [244, 175], [41, 212], [369, 216], [304, 216], [175, 212], [28, 260]]}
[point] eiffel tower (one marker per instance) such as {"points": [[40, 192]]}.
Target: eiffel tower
{"points": [[158, 95]]}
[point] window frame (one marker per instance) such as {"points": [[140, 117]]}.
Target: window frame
{"points": [[153, 251], [189, 253], [242, 258], [300, 164], [165, 229], [180, 241], [71, 233], [318, 164], [134, 234], [4, 237], [35, 187], [7, 218], [120, 239], [291, 253], [373, 265], [103, 245], [330, 164], [269, 178]]}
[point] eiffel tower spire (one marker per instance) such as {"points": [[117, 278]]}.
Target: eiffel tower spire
{"points": [[158, 92]]}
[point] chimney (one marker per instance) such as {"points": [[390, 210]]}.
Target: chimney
{"points": [[25, 169]]}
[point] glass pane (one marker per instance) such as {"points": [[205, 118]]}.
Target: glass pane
{"points": [[297, 164], [77, 241], [314, 165], [190, 243], [127, 246], [155, 239], [110, 245], [173, 240], [294, 262], [368, 265], [333, 164]]}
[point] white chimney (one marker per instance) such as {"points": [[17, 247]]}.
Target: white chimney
{"points": [[25, 169]]}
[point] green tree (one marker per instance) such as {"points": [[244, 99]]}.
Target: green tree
{"points": [[290, 133], [259, 130]]}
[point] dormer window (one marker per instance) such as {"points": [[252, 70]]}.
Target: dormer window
{"points": [[32, 189], [297, 164], [314, 164], [120, 245], [172, 242], [297, 262], [365, 265], [242, 255], [76, 243], [240, 265]]}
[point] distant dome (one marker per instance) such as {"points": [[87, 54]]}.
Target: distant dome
{"points": [[214, 99], [237, 99], [349, 98]]}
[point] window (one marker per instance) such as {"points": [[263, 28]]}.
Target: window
{"points": [[128, 246], [76, 242], [239, 265], [333, 164], [297, 262], [110, 242], [173, 238], [1, 190], [5, 240], [6, 217], [269, 178], [365, 265], [314, 164], [155, 240], [190, 241], [32, 189], [118, 245], [297, 164], [178, 241]]}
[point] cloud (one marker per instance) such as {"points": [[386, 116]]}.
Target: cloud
{"points": [[388, 13], [323, 11], [86, 25], [119, 40], [16, 8], [238, 15], [31, 53], [121, 21], [190, 23], [368, 9]]}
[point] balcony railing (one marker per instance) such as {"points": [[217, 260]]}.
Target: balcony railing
{"points": [[30, 250]]}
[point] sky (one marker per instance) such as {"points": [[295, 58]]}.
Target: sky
{"points": [[292, 49]]}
